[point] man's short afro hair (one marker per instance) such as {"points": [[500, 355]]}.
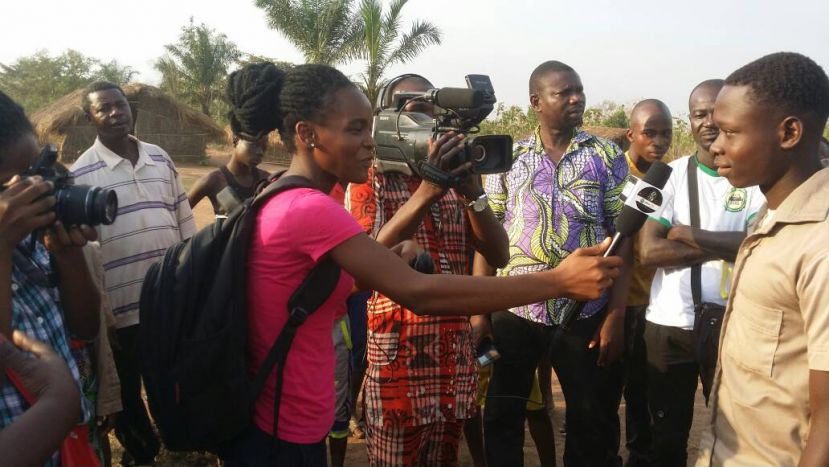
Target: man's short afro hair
{"points": [[789, 81]]}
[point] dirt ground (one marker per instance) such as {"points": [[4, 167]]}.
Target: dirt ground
{"points": [[356, 455]]}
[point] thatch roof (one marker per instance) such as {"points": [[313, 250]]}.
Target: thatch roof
{"points": [[66, 112]]}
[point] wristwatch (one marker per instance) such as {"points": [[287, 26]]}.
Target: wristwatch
{"points": [[480, 203]]}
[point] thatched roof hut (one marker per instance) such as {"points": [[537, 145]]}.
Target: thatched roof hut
{"points": [[158, 118], [617, 135]]}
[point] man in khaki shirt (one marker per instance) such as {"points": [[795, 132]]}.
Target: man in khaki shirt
{"points": [[771, 392]]}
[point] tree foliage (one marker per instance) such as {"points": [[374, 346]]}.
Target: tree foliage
{"points": [[382, 42], [324, 31], [39, 79], [608, 114], [513, 121], [520, 124], [195, 68]]}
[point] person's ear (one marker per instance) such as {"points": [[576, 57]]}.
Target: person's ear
{"points": [[629, 135], [305, 134], [790, 132], [534, 102]]}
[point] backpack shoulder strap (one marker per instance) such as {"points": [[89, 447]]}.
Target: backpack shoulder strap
{"points": [[314, 290], [693, 200]]}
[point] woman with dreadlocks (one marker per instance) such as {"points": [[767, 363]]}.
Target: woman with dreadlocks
{"points": [[325, 122]]}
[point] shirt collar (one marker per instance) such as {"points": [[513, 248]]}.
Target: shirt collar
{"points": [[705, 169], [579, 138], [809, 202], [632, 166], [112, 160]]}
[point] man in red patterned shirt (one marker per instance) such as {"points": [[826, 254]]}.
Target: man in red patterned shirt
{"points": [[421, 380]]}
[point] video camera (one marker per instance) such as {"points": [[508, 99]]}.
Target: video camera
{"points": [[75, 204], [402, 138]]}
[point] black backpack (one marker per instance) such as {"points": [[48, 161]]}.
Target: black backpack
{"points": [[193, 334]]}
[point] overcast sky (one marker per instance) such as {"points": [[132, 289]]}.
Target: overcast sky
{"points": [[623, 50]]}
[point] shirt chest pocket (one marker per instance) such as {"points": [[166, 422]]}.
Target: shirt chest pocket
{"points": [[752, 337]]}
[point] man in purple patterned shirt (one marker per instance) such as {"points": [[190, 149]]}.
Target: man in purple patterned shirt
{"points": [[562, 193]]}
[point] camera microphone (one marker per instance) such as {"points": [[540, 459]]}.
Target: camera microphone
{"points": [[455, 98], [645, 198]]}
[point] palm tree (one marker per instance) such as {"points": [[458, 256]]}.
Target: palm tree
{"points": [[382, 45], [324, 31], [196, 66]]}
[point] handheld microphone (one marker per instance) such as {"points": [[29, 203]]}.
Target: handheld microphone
{"points": [[646, 201], [645, 198]]}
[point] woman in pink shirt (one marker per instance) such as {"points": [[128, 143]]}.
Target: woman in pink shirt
{"points": [[325, 121]]}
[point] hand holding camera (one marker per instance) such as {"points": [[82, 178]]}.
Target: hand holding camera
{"points": [[25, 206], [59, 237], [585, 274]]}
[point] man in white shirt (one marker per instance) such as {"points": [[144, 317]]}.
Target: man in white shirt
{"points": [[680, 251], [153, 214]]}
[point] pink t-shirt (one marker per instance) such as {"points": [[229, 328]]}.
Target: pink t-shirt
{"points": [[293, 231]]}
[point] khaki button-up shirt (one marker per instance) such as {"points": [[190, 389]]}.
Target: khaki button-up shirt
{"points": [[775, 330]]}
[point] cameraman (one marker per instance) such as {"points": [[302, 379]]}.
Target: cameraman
{"points": [[46, 290], [421, 380]]}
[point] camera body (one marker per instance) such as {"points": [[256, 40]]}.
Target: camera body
{"points": [[75, 204], [402, 138]]}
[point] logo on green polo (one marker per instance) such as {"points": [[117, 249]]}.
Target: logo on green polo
{"points": [[736, 200]]}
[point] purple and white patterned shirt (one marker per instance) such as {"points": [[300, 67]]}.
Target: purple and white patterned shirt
{"points": [[549, 209]]}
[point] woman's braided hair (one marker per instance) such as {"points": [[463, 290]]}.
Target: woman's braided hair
{"points": [[264, 98]]}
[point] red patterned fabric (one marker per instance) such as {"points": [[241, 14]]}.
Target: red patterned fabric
{"points": [[421, 368], [433, 444]]}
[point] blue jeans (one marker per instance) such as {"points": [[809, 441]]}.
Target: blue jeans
{"points": [[259, 449]]}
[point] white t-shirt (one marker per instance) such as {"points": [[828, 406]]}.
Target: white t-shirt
{"points": [[722, 208]]}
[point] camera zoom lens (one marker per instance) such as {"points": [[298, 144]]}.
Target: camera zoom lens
{"points": [[84, 204], [478, 153]]}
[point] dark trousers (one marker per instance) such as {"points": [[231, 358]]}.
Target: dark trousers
{"points": [[592, 393], [132, 425], [258, 449], [673, 375], [637, 415]]}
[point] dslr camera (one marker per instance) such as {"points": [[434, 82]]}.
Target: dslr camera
{"points": [[402, 138], [75, 204]]}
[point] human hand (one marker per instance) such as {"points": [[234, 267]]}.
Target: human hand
{"points": [[443, 154], [585, 274], [683, 234], [470, 187], [610, 337], [58, 239], [407, 250], [24, 208], [44, 375], [481, 328]]}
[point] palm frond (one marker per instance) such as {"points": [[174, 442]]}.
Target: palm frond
{"points": [[422, 35]]}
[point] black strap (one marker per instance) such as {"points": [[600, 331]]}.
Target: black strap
{"points": [[306, 299], [693, 200]]}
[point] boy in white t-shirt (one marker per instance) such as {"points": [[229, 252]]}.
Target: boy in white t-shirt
{"points": [[671, 244]]}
